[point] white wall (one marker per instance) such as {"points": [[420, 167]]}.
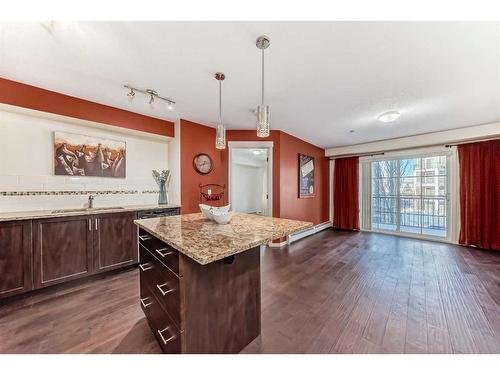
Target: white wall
{"points": [[248, 185], [26, 163], [174, 163], [248, 181]]}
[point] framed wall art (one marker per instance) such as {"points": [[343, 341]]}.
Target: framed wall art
{"points": [[81, 155], [306, 176]]}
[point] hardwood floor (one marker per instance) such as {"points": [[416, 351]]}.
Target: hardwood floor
{"points": [[334, 292]]}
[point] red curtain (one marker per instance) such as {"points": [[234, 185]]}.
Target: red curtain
{"points": [[480, 194], [345, 193]]}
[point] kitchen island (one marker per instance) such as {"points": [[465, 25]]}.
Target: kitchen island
{"points": [[200, 281]]}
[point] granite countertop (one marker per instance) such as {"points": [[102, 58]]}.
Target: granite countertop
{"points": [[206, 241], [43, 214]]}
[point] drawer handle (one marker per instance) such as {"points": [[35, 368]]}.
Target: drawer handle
{"points": [[145, 237], [145, 266], [164, 292], [144, 304], [160, 332], [160, 251]]}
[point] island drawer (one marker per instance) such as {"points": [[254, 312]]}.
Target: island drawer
{"points": [[165, 253], [165, 331], [163, 283]]}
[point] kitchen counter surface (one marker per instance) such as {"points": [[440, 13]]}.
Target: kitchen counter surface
{"points": [[206, 241], [43, 214]]}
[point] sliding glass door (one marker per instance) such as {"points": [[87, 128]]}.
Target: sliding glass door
{"points": [[408, 195]]}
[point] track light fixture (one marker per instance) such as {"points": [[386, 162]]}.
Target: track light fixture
{"points": [[153, 95]]}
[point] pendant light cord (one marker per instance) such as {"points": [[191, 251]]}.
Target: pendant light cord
{"points": [[262, 77], [220, 102]]}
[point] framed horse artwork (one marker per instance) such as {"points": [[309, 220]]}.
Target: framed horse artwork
{"points": [[81, 155]]}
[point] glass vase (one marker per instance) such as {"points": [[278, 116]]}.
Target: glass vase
{"points": [[163, 195]]}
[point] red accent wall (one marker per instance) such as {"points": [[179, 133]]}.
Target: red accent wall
{"points": [[291, 207], [22, 95], [196, 139]]}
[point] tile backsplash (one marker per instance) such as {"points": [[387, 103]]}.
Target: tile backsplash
{"points": [[27, 180]]}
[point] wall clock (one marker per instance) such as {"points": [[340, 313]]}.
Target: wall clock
{"points": [[202, 163]]}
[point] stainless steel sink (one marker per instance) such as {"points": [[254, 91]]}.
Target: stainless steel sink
{"points": [[70, 210], [86, 209], [106, 208]]}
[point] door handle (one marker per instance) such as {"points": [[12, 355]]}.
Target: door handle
{"points": [[164, 292], [90, 225], [160, 332], [145, 266], [145, 237], [163, 255]]}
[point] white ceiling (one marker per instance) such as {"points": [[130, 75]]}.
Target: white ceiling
{"points": [[323, 79]]}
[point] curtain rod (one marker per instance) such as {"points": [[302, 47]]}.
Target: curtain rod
{"points": [[472, 141], [360, 155]]}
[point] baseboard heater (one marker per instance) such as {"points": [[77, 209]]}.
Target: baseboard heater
{"points": [[297, 236]]}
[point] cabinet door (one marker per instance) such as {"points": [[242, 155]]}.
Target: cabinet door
{"points": [[62, 249], [115, 240], [15, 258]]}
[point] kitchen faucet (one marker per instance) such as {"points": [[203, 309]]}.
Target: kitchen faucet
{"points": [[91, 201]]}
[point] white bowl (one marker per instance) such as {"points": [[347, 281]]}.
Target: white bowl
{"points": [[221, 209], [222, 217], [206, 210]]}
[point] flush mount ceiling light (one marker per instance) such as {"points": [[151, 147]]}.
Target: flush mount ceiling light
{"points": [[220, 134], [262, 110], [389, 116], [153, 95]]}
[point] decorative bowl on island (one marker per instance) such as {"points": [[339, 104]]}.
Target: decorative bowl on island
{"points": [[221, 215], [206, 210]]}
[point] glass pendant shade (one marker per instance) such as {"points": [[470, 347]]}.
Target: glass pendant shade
{"points": [[220, 136], [220, 132], [263, 121]]}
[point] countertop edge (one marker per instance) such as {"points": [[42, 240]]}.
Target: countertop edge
{"points": [[205, 261], [45, 214]]}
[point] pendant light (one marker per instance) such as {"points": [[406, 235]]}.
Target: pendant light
{"points": [[220, 134], [262, 110]]}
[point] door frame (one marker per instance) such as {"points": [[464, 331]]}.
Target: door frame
{"points": [[254, 144]]}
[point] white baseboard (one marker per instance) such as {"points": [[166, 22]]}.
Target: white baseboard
{"points": [[277, 244], [297, 236]]}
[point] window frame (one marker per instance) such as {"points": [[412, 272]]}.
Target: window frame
{"points": [[365, 196]]}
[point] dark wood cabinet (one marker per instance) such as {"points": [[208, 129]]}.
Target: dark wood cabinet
{"points": [[115, 240], [43, 252], [62, 249], [15, 258], [71, 247], [194, 308]]}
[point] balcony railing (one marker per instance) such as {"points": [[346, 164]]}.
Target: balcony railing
{"points": [[421, 212]]}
